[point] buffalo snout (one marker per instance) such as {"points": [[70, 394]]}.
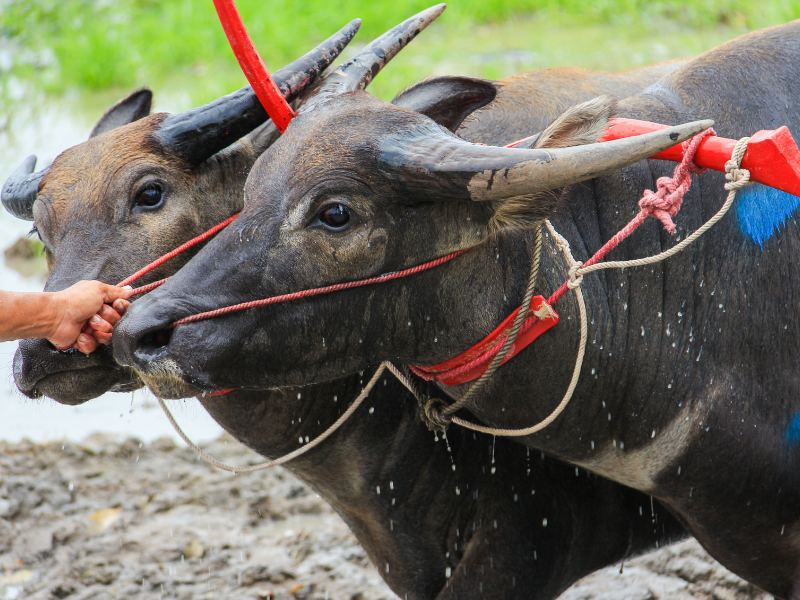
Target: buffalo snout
{"points": [[67, 377], [141, 339]]}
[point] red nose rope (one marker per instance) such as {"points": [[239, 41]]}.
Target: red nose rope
{"points": [[172, 254]]}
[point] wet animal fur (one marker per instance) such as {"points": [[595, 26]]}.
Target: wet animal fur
{"points": [[582, 124]]}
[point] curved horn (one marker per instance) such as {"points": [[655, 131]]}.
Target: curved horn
{"points": [[199, 133], [493, 173], [358, 72], [20, 189]]}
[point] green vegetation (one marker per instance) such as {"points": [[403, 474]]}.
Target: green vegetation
{"points": [[91, 45]]}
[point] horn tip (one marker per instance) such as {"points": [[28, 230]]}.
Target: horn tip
{"points": [[704, 124], [27, 165], [435, 10], [681, 133], [351, 29]]}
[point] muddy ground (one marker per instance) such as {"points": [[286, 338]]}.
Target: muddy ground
{"points": [[110, 519]]}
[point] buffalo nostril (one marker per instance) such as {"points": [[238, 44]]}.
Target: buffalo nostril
{"points": [[153, 343]]}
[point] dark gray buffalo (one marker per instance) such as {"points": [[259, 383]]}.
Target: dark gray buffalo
{"points": [[690, 389], [502, 521]]}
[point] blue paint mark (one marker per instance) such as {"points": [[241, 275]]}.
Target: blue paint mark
{"points": [[792, 433], [762, 210]]}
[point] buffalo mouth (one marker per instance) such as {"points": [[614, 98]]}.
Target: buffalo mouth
{"points": [[68, 377]]}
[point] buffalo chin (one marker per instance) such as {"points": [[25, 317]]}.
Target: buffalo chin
{"points": [[168, 386], [79, 386]]}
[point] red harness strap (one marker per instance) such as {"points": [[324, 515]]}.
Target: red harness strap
{"points": [[471, 363]]}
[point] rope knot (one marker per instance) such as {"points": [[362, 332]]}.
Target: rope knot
{"points": [[433, 414], [735, 175], [574, 278], [665, 202]]}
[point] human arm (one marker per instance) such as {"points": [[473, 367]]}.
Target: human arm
{"points": [[59, 316]]}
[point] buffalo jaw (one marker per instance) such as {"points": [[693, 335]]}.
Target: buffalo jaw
{"points": [[68, 377]]}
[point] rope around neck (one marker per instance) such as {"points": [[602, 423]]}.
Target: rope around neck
{"points": [[435, 413], [736, 178], [362, 395]]}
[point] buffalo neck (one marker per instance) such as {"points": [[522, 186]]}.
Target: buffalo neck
{"points": [[436, 513]]}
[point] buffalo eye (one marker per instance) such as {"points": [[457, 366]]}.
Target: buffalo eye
{"points": [[334, 217], [151, 196]]}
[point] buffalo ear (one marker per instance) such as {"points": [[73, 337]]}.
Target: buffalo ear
{"points": [[582, 124], [447, 100], [129, 109]]}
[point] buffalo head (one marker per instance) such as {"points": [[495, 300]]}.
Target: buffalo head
{"points": [[141, 185], [357, 187]]}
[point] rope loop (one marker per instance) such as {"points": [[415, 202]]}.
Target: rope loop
{"points": [[735, 176], [574, 277], [433, 414]]}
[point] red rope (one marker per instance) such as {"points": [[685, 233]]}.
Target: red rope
{"points": [[319, 291], [172, 254]]}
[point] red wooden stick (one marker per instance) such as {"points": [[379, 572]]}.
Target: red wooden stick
{"points": [[772, 156], [252, 66]]}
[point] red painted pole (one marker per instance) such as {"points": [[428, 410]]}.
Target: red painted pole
{"points": [[252, 66], [772, 155]]}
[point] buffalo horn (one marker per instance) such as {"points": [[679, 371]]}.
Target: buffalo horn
{"points": [[494, 173], [358, 72], [20, 189], [202, 132]]}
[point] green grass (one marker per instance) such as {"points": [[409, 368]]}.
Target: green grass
{"points": [[92, 45]]}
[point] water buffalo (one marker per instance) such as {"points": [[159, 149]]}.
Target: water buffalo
{"points": [[493, 517], [689, 390]]}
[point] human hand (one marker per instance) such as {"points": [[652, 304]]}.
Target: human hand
{"points": [[75, 305], [99, 328]]}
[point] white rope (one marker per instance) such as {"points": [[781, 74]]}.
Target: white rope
{"points": [[575, 286], [215, 462]]}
